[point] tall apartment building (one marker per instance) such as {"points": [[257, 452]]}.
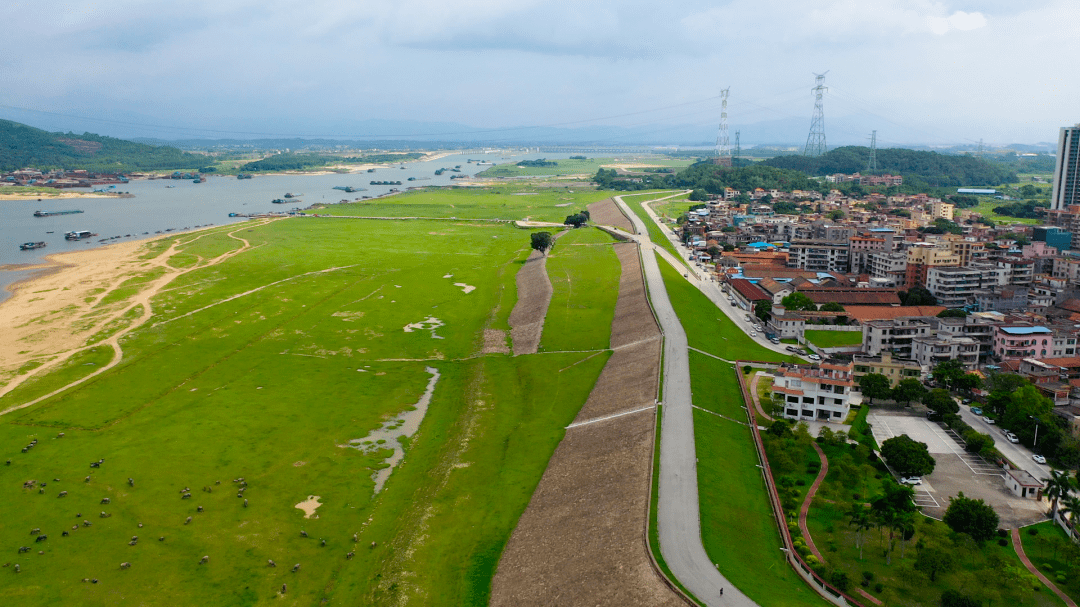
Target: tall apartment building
{"points": [[1066, 189], [952, 286], [942, 210], [968, 249], [817, 392], [922, 258], [819, 256], [891, 266], [860, 248]]}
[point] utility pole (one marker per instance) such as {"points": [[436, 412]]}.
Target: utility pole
{"points": [[815, 141], [723, 145], [738, 150], [871, 165]]}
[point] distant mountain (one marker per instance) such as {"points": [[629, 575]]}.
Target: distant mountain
{"points": [[25, 146]]}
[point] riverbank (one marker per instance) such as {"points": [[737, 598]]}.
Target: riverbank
{"points": [[55, 195]]}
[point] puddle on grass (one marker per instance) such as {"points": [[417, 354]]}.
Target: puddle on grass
{"points": [[428, 324], [464, 287], [404, 424]]}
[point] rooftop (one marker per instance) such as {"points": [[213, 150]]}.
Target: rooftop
{"points": [[1025, 330]]}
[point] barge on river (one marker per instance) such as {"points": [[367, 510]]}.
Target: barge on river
{"points": [[51, 213], [29, 246], [79, 235]]}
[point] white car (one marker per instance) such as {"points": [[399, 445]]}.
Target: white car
{"points": [[814, 357], [911, 480], [753, 334], [1039, 459], [1012, 438], [988, 420]]}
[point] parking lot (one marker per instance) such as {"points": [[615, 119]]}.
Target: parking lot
{"points": [[956, 470]]}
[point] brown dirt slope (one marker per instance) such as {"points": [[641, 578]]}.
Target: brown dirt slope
{"points": [[607, 213], [581, 540], [534, 296]]}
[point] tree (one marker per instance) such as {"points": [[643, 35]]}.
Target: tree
{"points": [[908, 390], [728, 247], [875, 385], [1058, 487], [941, 401], [948, 372], [953, 313], [967, 382], [541, 241], [831, 306], [859, 518], [698, 195], [973, 517], [781, 428], [917, 296], [933, 560], [798, 301], [715, 251], [763, 309], [977, 442], [577, 220], [1071, 506], [907, 457], [952, 598]]}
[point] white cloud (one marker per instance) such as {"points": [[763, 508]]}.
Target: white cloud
{"points": [[957, 21]]}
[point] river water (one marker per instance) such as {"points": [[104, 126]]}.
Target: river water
{"points": [[163, 204]]}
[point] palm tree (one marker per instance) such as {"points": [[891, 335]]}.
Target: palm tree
{"points": [[1058, 487], [1071, 507], [905, 524], [860, 519]]}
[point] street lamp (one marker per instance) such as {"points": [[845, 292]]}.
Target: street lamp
{"points": [[1036, 441]]}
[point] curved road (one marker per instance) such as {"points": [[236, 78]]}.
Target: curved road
{"points": [[678, 515]]}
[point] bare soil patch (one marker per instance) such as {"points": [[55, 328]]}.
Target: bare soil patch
{"points": [[581, 541], [495, 342], [607, 213], [534, 296]]}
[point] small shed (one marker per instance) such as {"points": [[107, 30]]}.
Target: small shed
{"points": [[1023, 484]]}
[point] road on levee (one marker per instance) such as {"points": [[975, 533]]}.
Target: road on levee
{"points": [[678, 513]]}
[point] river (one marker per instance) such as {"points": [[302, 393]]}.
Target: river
{"points": [[163, 204]]}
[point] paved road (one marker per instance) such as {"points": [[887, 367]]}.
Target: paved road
{"points": [[678, 513]]}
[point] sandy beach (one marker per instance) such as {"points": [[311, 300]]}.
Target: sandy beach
{"points": [[58, 195]]}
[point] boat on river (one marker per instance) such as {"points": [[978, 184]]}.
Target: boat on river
{"points": [[79, 235], [291, 195], [279, 201], [29, 246], [51, 213]]}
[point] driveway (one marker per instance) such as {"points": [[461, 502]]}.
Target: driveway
{"points": [[1017, 454]]}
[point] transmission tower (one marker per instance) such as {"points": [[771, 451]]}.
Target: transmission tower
{"points": [[871, 165], [738, 150], [723, 145], [980, 152], [815, 141]]}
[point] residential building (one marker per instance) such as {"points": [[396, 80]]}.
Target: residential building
{"points": [[921, 258], [746, 293], [954, 287], [1066, 190], [894, 335], [891, 266], [814, 392], [785, 324], [1019, 342], [859, 250], [931, 351], [819, 256], [942, 210], [895, 369]]}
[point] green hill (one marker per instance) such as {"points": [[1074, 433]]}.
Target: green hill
{"points": [[25, 146], [931, 168]]}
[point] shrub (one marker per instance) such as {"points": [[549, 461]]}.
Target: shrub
{"points": [[856, 496], [1060, 578], [1033, 531], [800, 482], [840, 580], [1048, 566], [1003, 542], [878, 587], [786, 482], [952, 598], [1002, 533], [747, 369]]}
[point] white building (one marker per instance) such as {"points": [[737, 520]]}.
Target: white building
{"points": [[1066, 189], [814, 392]]}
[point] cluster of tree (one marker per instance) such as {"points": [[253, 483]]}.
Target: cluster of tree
{"points": [[579, 158], [907, 457], [1042, 163], [942, 226], [24, 146], [379, 158], [540, 241], [708, 178], [799, 301], [577, 219], [917, 296], [1023, 409], [933, 169], [288, 161], [539, 163], [964, 201], [1028, 209]]}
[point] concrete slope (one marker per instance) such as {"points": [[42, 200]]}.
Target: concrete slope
{"points": [[678, 514]]}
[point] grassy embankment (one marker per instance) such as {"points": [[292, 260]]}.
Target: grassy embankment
{"points": [[1047, 550], [503, 202], [658, 235], [833, 339], [268, 386], [737, 527], [585, 286]]}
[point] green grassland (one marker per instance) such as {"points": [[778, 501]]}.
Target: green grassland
{"points": [[311, 352], [511, 202], [834, 339], [583, 236], [585, 286], [1045, 544], [578, 166], [658, 236], [673, 208], [738, 528], [986, 209]]}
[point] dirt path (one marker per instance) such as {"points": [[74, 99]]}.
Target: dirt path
{"points": [[757, 398], [142, 298], [805, 509], [607, 213], [534, 297], [1019, 546], [581, 541]]}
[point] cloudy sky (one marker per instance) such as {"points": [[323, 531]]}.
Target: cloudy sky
{"points": [[918, 71]]}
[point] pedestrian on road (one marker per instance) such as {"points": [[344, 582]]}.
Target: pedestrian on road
{"points": [[721, 592]]}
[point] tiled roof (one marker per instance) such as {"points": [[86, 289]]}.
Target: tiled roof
{"points": [[749, 290], [846, 296], [868, 313]]}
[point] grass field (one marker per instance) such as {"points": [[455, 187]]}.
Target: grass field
{"points": [[583, 236], [833, 339], [585, 286], [330, 333], [673, 208], [588, 166], [513, 201], [737, 523], [707, 328], [1046, 550], [986, 209]]}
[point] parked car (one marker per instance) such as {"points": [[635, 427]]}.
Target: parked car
{"points": [[976, 410], [800, 351], [791, 349], [911, 480], [1038, 459], [814, 357], [934, 416], [753, 334], [1012, 438], [775, 341], [988, 419]]}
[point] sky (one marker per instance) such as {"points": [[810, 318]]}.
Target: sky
{"points": [[917, 71]]}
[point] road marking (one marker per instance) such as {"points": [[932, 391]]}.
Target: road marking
{"points": [[730, 419], [607, 417]]}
